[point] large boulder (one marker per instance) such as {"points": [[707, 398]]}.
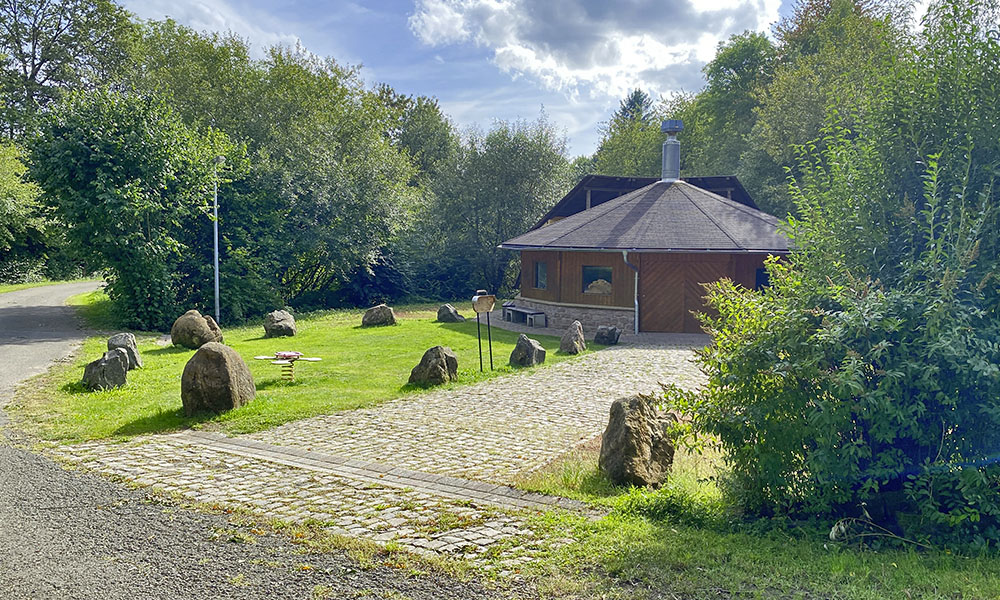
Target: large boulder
{"points": [[448, 314], [572, 342], [216, 379], [637, 448], [279, 323], [607, 335], [378, 315], [438, 365], [126, 341], [192, 330], [527, 352], [106, 372]]}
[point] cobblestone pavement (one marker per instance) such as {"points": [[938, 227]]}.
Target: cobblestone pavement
{"points": [[391, 473], [499, 429]]}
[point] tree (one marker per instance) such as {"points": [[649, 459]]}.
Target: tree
{"points": [[22, 227], [637, 106], [51, 46], [328, 186], [506, 179], [132, 184], [834, 57]]}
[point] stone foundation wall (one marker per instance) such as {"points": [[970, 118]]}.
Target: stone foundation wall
{"points": [[561, 317]]}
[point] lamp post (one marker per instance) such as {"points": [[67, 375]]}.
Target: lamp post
{"points": [[219, 160]]}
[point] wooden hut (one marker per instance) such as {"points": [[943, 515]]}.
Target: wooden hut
{"points": [[635, 252]]}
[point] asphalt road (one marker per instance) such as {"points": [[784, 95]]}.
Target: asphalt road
{"points": [[69, 535]]}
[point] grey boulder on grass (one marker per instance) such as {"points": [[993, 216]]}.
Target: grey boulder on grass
{"points": [[192, 330], [572, 341], [126, 341], [279, 323], [448, 314], [216, 380], [378, 315], [107, 372], [636, 448], [527, 352], [438, 365]]}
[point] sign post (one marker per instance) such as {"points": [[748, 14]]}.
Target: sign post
{"points": [[484, 303]]}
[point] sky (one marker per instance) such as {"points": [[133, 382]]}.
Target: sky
{"points": [[498, 59]]}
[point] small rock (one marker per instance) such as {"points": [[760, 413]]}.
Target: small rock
{"points": [[192, 330], [378, 315], [527, 352], [448, 314], [636, 448], [216, 379], [607, 335], [438, 365], [279, 323], [126, 341], [107, 372], [572, 341]]}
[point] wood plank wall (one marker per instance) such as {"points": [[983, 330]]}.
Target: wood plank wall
{"points": [[622, 279], [551, 260]]}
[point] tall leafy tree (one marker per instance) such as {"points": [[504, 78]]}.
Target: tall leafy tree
{"points": [[132, 184], [51, 46], [506, 179]]}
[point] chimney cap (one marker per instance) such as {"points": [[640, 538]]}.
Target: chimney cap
{"points": [[672, 126]]}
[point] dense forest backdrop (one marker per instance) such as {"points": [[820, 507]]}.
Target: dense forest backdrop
{"points": [[335, 191]]}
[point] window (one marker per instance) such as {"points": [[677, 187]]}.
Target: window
{"points": [[541, 271], [597, 280]]}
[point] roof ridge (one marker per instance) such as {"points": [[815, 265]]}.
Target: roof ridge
{"points": [[599, 211], [748, 210], [710, 218]]}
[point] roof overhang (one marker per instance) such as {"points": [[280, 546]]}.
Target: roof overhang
{"points": [[520, 248]]}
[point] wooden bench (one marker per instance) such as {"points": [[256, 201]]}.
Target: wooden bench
{"points": [[529, 316]]}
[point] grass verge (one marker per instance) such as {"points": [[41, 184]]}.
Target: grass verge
{"points": [[683, 541], [360, 367], [13, 287]]}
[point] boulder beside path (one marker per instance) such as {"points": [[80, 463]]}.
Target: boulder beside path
{"points": [[279, 323], [192, 330], [378, 315], [573, 342], [438, 365], [107, 372], [527, 352], [216, 379], [126, 341], [637, 448]]}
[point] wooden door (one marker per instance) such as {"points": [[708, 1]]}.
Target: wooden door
{"points": [[670, 288], [661, 293], [696, 275]]}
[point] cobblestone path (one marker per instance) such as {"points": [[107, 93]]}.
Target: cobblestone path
{"points": [[412, 471]]}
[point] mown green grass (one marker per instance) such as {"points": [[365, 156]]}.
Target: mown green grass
{"points": [[361, 367], [684, 541], [13, 287]]}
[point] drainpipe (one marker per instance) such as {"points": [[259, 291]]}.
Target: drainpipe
{"points": [[635, 290]]}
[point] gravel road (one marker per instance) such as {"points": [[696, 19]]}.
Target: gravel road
{"points": [[69, 535]]}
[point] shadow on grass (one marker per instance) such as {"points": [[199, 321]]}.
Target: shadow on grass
{"points": [[167, 350], [165, 420], [268, 384]]}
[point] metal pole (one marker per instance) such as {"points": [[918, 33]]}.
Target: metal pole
{"points": [[489, 334], [479, 334], [216, 228]]}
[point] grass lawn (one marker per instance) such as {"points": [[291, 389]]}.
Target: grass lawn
{"points": [[360, 367], [13, 287], [682, 542]]}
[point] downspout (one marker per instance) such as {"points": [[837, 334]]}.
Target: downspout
{"points": [[635, 290]]}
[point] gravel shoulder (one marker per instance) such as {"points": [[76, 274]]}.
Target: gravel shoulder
{"points": [[71, 535]]}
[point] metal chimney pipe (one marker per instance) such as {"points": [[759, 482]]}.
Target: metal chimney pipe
{"points": [[671, 150]]}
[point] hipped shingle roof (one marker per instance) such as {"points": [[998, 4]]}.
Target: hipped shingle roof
{"points": [[663, 216]]}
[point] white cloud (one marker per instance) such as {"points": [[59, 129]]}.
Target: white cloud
{"points": [[594, 48]]}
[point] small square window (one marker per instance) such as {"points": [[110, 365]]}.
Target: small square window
{"points": [[597, 281], [541, 272]]}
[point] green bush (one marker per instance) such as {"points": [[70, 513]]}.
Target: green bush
{"points": [[840, 395]]}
